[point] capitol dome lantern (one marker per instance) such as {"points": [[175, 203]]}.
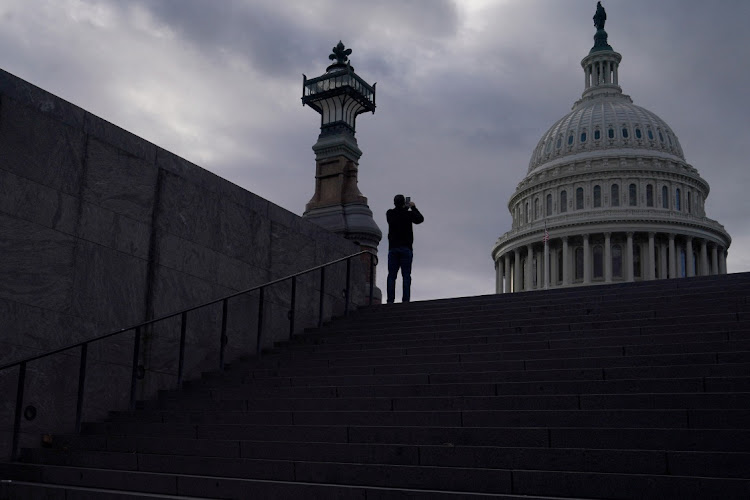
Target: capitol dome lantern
{"points": [[608, 196]]}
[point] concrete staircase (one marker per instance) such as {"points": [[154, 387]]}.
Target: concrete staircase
{"points": [[637, 390]]}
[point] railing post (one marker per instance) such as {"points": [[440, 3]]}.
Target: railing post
{"points": [[223, 340], [292, 306], [260, 322], [134, 373], [322, 289], [346, 294], [181, 362], [372, 276], [81, 384], [17, 417]]}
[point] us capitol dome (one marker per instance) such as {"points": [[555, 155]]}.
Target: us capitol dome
{"points": [[608, 196]]}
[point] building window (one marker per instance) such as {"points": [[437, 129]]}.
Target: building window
{"points": [[661, 136], [616, 261], [559, 142], [597, 135], [597, 196], [689, 203], [664, 197], [570, 139], [528, 213], [579, 264], [638, 134], [624, 132], [649, 195], [598, 261], [615, 195], [549, 204], [563, 201], [536, 208], [611, 133], [583, 136], [637, 261], [579, 198], [632, 195], [677, 200], [650, 134]]}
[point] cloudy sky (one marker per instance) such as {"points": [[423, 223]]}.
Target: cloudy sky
{"points": [[465, 90]]}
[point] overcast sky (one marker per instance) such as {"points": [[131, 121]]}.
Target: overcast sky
{"points": [[465, 90]]}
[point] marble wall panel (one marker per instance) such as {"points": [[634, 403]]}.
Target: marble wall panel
{"points": [[39, 148], [174, 291], [109, 286], [187, 211], [121, 139], [107, 228], [37, 203], [240, 275], [119, 181], [244, 234], [242, 325], [211, 182], [32, 96], [37, 265], [30, 330], [161, 345], [188, 257], [291, 252]]}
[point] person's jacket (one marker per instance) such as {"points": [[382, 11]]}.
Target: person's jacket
{"points": [[400, 232]]}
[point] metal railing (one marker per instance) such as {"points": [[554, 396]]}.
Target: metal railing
{"points": [[83, 345]]}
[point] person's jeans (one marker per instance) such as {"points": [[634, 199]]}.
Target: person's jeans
{"points": [[399, 258]]}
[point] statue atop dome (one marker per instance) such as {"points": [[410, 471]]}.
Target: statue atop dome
{"points": [[600, 38], [600, 17]]}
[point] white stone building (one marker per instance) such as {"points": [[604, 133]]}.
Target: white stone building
{"points": [[611, 185]]}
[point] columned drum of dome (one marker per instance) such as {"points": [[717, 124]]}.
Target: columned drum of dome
{"points": [[618, 198]]}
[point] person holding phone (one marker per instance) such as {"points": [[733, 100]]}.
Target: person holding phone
{"points": [[400, 240]]}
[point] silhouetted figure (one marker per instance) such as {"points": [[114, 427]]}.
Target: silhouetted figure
{"points": [[600, 17], [400, 240]]}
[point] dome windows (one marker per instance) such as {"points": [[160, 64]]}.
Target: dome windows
{"points": [[624, 132], [563, 201], [549, 205], [579, 198], [570, 139], [583, 136], [638, 134], [649, 195], [632, 195], [661, 136], [597, 196], [611, 133], [664, 197], [597, 134], [650, 134], [559, 142], [615, 192], [677, 201]]}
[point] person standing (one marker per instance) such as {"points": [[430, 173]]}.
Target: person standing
{"points": [[400, 240]]}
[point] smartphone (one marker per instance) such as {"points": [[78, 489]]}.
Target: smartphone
{"points": [[408, 200]]}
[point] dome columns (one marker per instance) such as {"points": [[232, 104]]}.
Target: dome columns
{"points": [[591, 258]]}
